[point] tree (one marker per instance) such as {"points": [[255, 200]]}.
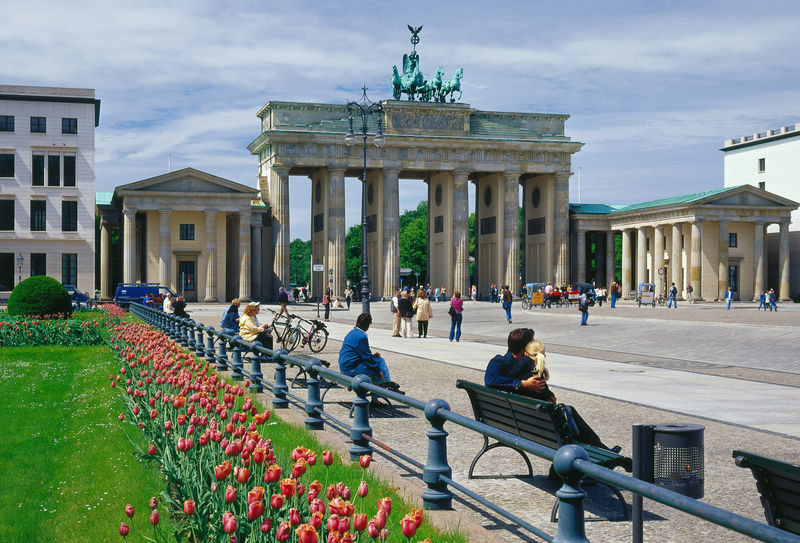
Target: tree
{"points": [[352, 252], [300, 262], [414, 239]]}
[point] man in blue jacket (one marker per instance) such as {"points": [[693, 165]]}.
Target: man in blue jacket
{"points": [[355, 356]]}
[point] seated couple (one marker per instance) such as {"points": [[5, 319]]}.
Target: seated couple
{"points": [[522, 370], [356, 358]]}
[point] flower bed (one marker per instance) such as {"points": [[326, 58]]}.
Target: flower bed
{"points": [[225, 482], [51, 330]]}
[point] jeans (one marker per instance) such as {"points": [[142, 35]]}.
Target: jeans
{"points": [[406, 327], [773, 305], [507, 307], [613, 300], [728, 302], [455, 326], [349, 299], [584, 317], [761, 305], [327, 311], [422, 327], [672, 300]]}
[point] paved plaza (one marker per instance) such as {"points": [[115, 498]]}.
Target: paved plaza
{"points": [[735, 372]]}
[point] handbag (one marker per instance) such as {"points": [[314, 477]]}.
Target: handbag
{"points": [[451, 311]]}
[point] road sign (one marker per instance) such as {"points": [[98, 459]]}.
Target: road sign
{"points": [[317, 267], [661, 272], [405, 271]]}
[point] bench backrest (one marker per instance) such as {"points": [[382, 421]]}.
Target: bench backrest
{"points": [[525, 417], [779, 485]]}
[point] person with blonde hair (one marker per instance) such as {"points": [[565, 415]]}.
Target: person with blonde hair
{"points": [[251, 330], [424, 313], [406, 309], [535, 351]]}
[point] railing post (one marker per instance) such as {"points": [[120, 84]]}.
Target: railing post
{"points": [[184, 332], [198, 344], [255, 369], [210, 358], [190, 334], [279, 388], [173, 328], [237, 366], [437, 495], [360, 427], [570, 496], [313, 403], [222, 355]]}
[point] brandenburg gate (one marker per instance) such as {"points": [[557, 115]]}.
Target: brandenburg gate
{"points": [[448, 145]]}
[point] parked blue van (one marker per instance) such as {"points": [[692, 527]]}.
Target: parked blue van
{"points": [[135, 292]]}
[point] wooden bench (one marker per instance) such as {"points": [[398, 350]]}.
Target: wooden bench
{"points": [[534, 420], [779, 485]]}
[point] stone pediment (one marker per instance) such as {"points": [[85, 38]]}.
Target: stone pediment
{"points": [[747, 195], [187, 180]]}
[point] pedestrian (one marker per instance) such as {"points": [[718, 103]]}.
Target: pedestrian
{"points": [[601, 296], [773, 300], [326, 303], [689, 291], [456, 316], [673, 296], [762, 301], [395, 307], [424, 313], [168, 303], [283, 299], [348, 296], [728, 298], [473, 293], [507, 299], [406, 308], [436, 294], [444, 292], [583, 307]]}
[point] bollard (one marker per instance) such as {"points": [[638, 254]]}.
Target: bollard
{"points": [[570, 496], [255, 369], [279, 389], [198, 344], [222, 354], [437, 495], [314, 420], [184, 332], [210, 358], [190, 335], [360, 425], [237, 366]]}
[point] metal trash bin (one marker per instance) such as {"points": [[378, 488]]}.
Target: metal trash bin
{"points": [[671, 456]]}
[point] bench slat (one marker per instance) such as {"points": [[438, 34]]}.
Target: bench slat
{"points": [[779, 485]]}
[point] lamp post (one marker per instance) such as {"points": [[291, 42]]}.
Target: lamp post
{"points": [[365, 107], [20, 260]]}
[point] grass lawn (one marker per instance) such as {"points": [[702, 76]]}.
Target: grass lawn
{"points": [[68, 469]]}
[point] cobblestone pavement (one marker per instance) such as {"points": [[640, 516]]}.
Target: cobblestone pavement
{"points": [[741, 343]]}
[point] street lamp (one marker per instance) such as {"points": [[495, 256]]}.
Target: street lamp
{"points": [[20, 260], [365, 107]]}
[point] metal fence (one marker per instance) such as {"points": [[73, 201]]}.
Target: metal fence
{"points": [[571, 462]]}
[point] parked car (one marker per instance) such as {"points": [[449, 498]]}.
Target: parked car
{"points": [[79, 299], [135, 292]]}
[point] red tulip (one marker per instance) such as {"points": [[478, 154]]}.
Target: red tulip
{"points": [[306, 534], [316, 520], [256, 494], [327, 458], [380, 519], [230, 494], [312, 458], [408, 526], [417, 515], [122, 416], [276, 502], [255, 510], [360, 522], [364, 461], [386, 505], [273, 474], [363, 489], [154, 518], [288, 486], [153, 502], [151, 450], [284, 531], [259, 455], [243, 475], [372, 529], [294, 517], [188, 507], [344, 524], [123, 529], [129, 510], [228, 522], [266, 525], [333, 523]]}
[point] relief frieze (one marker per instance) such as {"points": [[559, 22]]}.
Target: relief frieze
{"points": [[427, 121]]}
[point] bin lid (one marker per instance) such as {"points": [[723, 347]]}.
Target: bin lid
{"points": [[678, 427]]}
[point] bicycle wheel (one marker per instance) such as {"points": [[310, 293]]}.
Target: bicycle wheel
{"points": [[318, 340], [526, 303], [293, 340]]}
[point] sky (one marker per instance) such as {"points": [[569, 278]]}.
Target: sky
{"points": [[652, 89]]}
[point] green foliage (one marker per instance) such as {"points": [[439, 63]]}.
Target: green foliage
{"points": [[300, 262], [414, 240], [30, 332], [352, 252], [39, 296]]}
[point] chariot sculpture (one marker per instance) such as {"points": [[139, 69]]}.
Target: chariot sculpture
{"points": [[412, 83]]}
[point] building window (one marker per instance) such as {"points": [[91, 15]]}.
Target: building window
{"points": [[53, 170], [187, 231], [6, 214], [732, 240], [6, 123], [6, 164], [38, 215], [69, 216], [69, 269], [39, 125], [38, 264], [733, 277], [69, 171], [69, 125], [762, 165], [7, 271], [762, 185], [37, 172]]}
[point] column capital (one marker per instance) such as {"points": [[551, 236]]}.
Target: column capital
{"points": [[562, 175], [280, 169]]}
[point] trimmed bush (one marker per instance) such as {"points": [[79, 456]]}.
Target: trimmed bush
{"points": [[39, 296]]}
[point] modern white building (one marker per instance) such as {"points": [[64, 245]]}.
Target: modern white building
{"points": [[47, 219], [771, 161]]}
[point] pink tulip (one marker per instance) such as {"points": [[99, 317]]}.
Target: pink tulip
{"points": [[154, 518], [129, 510], [363, 489], [228, 522], [123, 529]]}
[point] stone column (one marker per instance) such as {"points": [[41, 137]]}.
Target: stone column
{"points": [[759, 261], [244, 256], [561, 228], [279, 198], [696, 264], [211, 257], [611, 259], [722, 255], [783, 260], [129, 245], [105, 260], [511, 231], [257, 290], [580, 254], [675, 260], [658, 257], [336, 232], [164, 248], [460, 232], [641, 256], [627, 233], [391, 233]]}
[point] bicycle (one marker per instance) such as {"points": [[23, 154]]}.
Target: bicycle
{"points": [[316, 336], [285, 328]]}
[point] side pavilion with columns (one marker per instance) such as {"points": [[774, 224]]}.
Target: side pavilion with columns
{"points": [[446, 145], [188, 230], [711, 240]]}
